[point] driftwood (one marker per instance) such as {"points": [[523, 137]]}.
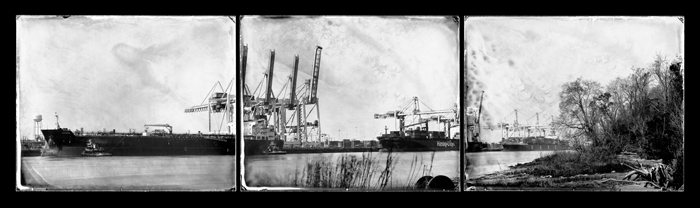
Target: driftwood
{"points": [[657, 175]]}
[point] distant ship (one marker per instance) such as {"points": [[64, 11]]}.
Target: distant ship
{"points": [[31, 148], [531, 138], [533, 143], [69, 143]]}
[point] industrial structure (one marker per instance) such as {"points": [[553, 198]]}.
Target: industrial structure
{"points": [[265, 114], [473, 136], [37, 127]]}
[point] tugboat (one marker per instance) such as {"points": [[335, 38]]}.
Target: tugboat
{"points": [[92, 150], [273, 149]]}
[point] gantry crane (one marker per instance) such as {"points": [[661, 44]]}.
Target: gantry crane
{"points": [[300, 99], [272, 111], [217, 102]]}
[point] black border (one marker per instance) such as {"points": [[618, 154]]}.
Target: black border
{"points": [[466, 200], [462, 96], [239, 97]]}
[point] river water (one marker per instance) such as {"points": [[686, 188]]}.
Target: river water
{"points": [[217, 172], [280, 170], [481, 163], [206, 173]]}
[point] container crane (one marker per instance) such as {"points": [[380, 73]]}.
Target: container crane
{"points": [[273, 110], [309, 97], [217, 102]]}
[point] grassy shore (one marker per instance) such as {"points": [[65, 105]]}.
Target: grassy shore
{"points": [[583, 171], [368, 172]]}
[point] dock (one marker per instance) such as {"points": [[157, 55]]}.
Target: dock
{"points": [[329, 150]]}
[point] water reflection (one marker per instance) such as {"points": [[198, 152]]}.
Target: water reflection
{"points": [[130, 173], [280, 170], [481, 163]]}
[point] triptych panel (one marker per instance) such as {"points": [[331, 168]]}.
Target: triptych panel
{"points": [[349, 103]]}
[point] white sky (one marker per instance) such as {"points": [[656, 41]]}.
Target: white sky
{"points": [[368, 65], [121, 72], [521, 62]]}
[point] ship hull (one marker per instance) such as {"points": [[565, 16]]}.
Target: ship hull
{"points": [[416, 145], [69, 145], [475, 147], [30, 153], [256, 147], [534, 147]]}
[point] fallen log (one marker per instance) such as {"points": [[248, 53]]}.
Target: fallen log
{"points": [[657, 176]]}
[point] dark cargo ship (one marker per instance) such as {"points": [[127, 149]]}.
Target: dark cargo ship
{"points": [[419, 139], [157, 143]]}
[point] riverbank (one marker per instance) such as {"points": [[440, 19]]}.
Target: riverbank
{"points": [[560, 173]]}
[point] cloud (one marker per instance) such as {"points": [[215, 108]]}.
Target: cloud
{"points": [[122, 72], [369, 65], [521, 63]]}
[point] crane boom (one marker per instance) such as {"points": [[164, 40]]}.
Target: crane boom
{"points": [[293, 91], [317, 66], [269, 76], [478, 116], [243, 64]]}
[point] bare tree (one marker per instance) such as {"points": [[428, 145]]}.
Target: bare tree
{"points": [[578, 107]]}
